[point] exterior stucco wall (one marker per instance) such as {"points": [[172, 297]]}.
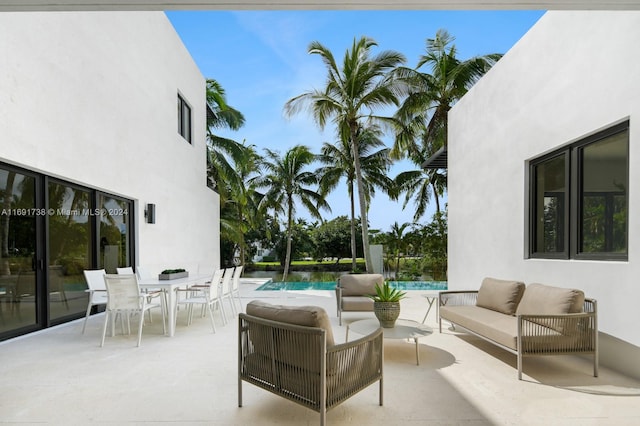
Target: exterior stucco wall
{"points": [[572, 74], [92, 98]]}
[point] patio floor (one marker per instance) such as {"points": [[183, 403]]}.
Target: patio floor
{"points": [[59, 376]]}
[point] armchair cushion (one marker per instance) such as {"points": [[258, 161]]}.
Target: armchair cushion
{"points": [[359, 284], [309, 316], [357, 303], [500, 295]]}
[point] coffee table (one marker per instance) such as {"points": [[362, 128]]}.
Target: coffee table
{"points": [[404, 329]]}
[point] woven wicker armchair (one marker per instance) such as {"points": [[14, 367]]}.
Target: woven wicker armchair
{"points": [[353, 291], [300, 362]]}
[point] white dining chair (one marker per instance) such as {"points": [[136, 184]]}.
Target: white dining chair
{"points": [[97, 291], [150, 293], [216, 278], [225, 290], [208, 296], [124, 297], [235, 285]]}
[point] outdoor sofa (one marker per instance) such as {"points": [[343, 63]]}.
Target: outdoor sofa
{"points": [[525, 320], [353, 291], [290, 351]]}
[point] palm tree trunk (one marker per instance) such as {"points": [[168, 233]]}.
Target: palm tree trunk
{"points": [[354, 254], [242, 254], [436, 197], [241, 243], [363, 201], [287, 259]]}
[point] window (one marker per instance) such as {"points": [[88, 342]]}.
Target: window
{"points": [[578, 199], [184, 119]]}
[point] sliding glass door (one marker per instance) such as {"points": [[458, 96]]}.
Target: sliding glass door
{"points": [[69, 248], [50, 232]]}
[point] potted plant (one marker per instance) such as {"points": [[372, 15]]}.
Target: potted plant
{"points": [[172, 274], [386, 304]]}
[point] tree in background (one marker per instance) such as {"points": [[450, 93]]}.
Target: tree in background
{"points": [[421, 185], [363, 84], [230, 167], [221, 152], [265, 234], [397, 243], [331, 239], [239, 211], [431, 240], [301, 241], [422, 119], [374, 166], [287, 180]]}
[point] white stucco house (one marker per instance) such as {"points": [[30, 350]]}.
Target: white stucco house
{"points": [[102, 123], [544, 172]]}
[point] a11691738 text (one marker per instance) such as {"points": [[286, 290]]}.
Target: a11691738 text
{"points": [[28, 212]]}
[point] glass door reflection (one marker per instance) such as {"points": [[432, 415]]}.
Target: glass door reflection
{"points": [[69, 249], [114, 233], [18, 289]]}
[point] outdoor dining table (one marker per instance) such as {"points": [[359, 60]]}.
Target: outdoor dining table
{"points": [[170, 288]]}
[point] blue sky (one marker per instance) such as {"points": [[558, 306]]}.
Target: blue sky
{"points": [[260, 58]]}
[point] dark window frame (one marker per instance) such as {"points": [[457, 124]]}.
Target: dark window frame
{"points": [[573, 204], [533, 190], [184, 119]]}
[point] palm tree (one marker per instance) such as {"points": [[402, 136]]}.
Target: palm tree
{"points": [[397, 242], [352, 93], [287, 180], [421, 185], [230, 165], [422, 117], [221, 115], [374, 165], [221, 150], [239, 212]]}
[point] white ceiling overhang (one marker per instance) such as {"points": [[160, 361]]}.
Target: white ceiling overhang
{"points": [[148, 5]]}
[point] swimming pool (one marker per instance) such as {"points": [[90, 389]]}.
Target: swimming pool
{"points": [[330, 285]]}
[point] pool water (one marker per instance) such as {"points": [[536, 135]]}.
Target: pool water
{"points": [[330, 285]]}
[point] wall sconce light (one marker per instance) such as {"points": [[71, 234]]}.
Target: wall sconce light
{"points": [[150, 213]]}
